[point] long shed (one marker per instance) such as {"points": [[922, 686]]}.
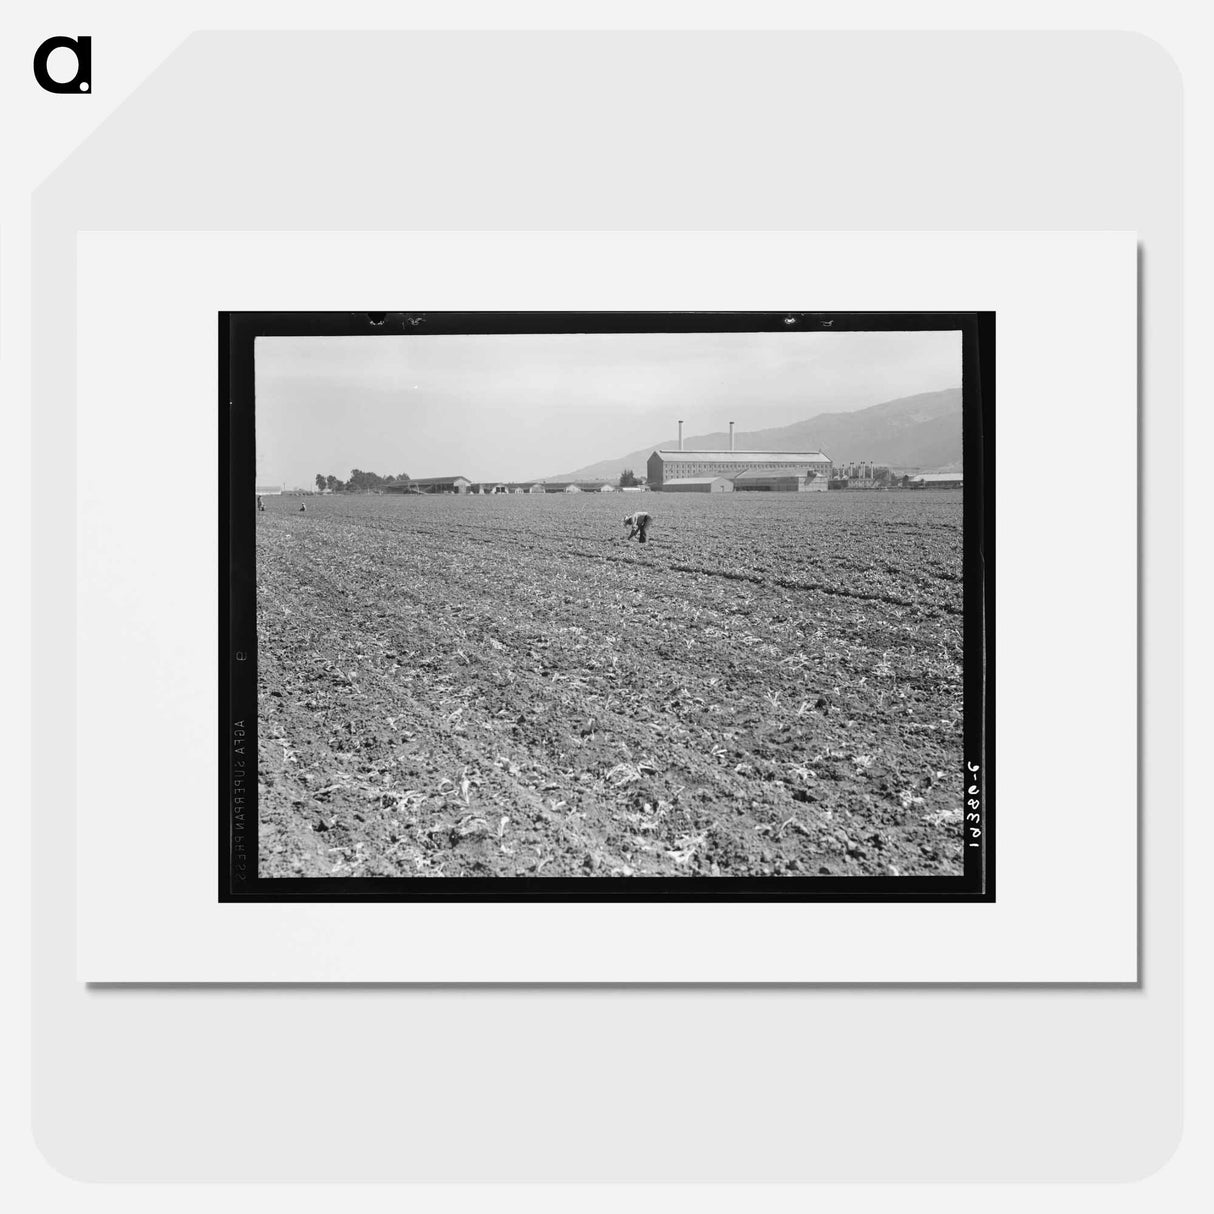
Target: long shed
{"points": [[699, 484], [794, 478], [938, 480], [442, 484]]}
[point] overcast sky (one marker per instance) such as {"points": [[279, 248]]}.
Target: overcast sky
{"points": [[513, 407]]}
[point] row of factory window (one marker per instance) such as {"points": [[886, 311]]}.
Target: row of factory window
{"points": [[721, 469]]}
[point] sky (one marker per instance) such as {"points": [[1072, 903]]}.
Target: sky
{"points": [[517, 407]]}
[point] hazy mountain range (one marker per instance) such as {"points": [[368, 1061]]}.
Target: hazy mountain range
{"points": [[922, 431]]}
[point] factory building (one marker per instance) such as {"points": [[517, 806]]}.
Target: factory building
{"points": [[699, 484], [792, 478], [665, 466]]}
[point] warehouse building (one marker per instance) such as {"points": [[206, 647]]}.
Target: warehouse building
{"points": [[666, 466], [938, 480], [793, 478], [699, 484], [442, 484]]}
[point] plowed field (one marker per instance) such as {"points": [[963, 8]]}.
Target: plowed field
{"points": [[505, 686]]}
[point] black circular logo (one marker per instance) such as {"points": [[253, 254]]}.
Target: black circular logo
{"points": [[82, 48]]}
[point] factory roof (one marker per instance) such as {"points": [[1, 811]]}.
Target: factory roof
{"points": [[437, 480], [939, 477], [746, 457], [695, 480]]}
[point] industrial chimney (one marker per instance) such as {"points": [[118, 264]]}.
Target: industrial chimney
{"points": [[731, 436], [680, 434]]}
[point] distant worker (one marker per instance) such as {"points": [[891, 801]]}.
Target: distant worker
{"points": [[260, 504], [302, 509], [639, 522]]}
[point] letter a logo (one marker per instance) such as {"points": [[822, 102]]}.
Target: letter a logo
{"points": [[82, 81]]}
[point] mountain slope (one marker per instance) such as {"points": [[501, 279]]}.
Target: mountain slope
{"points": [[922, 431]]}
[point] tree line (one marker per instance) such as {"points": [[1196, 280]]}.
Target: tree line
{"points": [[359, 482]]}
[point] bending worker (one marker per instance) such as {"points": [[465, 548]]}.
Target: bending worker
{"points": [[639, 524]]}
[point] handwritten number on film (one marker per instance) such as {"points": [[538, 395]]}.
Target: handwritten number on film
{"points": [[973, 805]]}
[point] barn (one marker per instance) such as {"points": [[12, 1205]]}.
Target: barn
{"points": [[699, 484], [666, 466], [793, 478], [442, 484]]}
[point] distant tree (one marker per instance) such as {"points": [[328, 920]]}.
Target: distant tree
{"points": [[359, 482], [364, 482], [628, 479]]}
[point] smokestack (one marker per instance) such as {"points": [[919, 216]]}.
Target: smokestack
{"points": [[680, 434], [731, 436]]}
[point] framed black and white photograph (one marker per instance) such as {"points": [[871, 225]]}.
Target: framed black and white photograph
{"points": [[595, 606], [603, 620]]}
